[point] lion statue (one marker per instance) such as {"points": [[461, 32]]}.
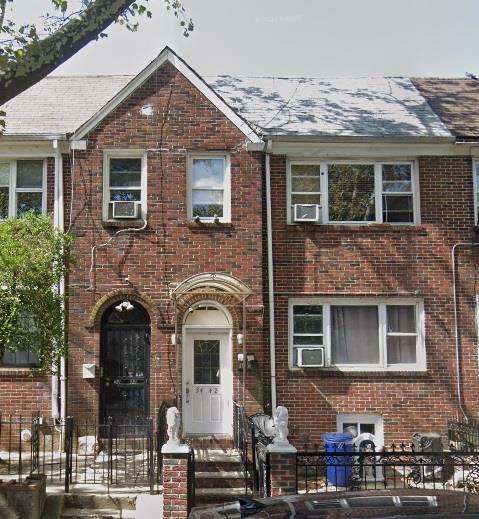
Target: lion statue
{"points": [[281, 425], [173, 421]]}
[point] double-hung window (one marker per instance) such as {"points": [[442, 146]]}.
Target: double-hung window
{"points": [[22, 187], [353, 192], [357, 334], [124, 181], [209, 188]]}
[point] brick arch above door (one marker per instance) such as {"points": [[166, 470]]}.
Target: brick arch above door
{"points": [[110, 298]]}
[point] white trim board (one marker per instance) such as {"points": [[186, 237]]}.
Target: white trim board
{"points": [[168, 55]]}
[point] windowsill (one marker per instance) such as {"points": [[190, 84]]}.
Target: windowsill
{"points": [[208, 225], [13, 371], [123, 224], [359, 227], [331, 371]]}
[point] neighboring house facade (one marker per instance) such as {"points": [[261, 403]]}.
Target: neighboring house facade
{"points": [[264, 241]]}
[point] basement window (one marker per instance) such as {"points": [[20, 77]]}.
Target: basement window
{"points": [[22, 187]]}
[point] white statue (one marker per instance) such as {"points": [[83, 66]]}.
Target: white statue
{"points": [[281, 426], [173, 420]]}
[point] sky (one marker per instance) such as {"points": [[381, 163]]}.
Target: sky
{"points": [[311, 38]]}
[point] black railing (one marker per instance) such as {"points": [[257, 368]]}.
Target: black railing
{"points": [[79, 451], [161, 438], [191, 479], [240, 439], [463, 436], [260, 426], [397, 467], [19, 446]]}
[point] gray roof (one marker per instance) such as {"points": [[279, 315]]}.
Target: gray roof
{"points": [[349, 107], [58, 105]]}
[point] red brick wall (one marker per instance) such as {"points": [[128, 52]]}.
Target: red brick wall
{"points": [[169, 250], [383, 260]]}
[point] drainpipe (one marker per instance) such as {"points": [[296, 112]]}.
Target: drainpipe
{"points": [[269, 237], [456, 325], [59, 379], [54, 396]]}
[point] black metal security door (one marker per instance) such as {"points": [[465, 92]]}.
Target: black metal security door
{"points": [[125, 354]]}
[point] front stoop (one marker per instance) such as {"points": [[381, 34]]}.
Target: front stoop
{"points": [[219, 476]]}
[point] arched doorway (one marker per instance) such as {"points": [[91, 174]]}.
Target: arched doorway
{"points": [[207, 370], [125, 363]]}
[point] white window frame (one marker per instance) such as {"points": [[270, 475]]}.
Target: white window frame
{"points": [[226, 218], [377, 189], [13, 190], [475, 171], [359, 418], [124, 154], [381, 303]]}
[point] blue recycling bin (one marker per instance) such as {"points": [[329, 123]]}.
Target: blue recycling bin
{"points": [[338, 468]]}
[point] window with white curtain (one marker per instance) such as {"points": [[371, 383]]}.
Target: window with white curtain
{"points": [[359, 334]]}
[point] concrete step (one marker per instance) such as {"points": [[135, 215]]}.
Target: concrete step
{"points": [[214, 460], [213, 441], [217, 479], [217, 495], [77, 513], [99, 501]]}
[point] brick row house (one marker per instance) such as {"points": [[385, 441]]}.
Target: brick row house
{"points": [[258, 241]]}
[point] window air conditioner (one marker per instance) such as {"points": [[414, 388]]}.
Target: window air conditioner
{"points": [[125, 209], [311, 357], [306, 212]]}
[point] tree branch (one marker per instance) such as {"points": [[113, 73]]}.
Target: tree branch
{"points": [[42, 57]]}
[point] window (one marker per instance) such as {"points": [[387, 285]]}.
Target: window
{"points": [[357, 424], [125, 181], [357, 334], [380, 192], [26, 358], [209, 198], [22, 187]]}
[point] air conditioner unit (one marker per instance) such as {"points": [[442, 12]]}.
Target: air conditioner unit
{"points": [[311, 357], [306, 212], [125, 209]]}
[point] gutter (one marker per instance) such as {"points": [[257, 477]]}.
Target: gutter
{"points": [[269, 236]]}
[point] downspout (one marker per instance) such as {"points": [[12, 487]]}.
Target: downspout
{"points": [[54, 392], [269, 237], [63, 362], [59, 379]]}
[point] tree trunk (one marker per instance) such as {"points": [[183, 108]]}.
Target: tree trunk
{"points": [[43, 57]]}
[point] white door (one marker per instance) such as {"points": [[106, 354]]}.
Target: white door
{"points": [[207, 383]]}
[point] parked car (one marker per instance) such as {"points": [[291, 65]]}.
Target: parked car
{"points": [[384, 504]]}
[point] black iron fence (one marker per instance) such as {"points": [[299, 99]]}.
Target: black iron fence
{"points": [[191, 480], [161, 437], [260, 425], [240, 439], [463, 436], [393, 468], [80, 451]]}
